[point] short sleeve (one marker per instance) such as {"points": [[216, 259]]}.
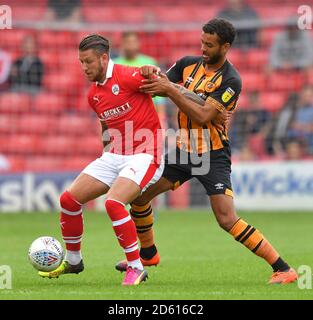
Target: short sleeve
{"points": [[225, 94], [132, 78], [175, 72]]}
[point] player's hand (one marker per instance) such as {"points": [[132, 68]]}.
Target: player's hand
{"points": [[158, 86], [223, 118], [149, 71]]}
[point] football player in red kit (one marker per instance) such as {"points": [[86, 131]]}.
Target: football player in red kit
{"points": [[131, 161]]}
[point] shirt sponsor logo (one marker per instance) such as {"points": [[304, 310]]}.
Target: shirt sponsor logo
{"points": [[115, 112], [228, 94]]}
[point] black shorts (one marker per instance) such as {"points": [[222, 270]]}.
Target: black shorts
{"points": [[212, 170]]}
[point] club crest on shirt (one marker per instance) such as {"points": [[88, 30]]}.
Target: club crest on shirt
{"points": [[228, 94], [209, 86], [115, 89]]}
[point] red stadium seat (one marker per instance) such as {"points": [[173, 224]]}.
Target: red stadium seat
{"points": [[286, 81], [172, 14], [28, 12], [102, 14], [252, 81], [16, 163], [90, 145], [243, 102], [75, 125], [257, 58], [204, 13], [237, 58], [15, 102], [133, 15], [49, 103], [76, 163], [58, 145], [12, 38], [43, 163], [59, 83], [50, 59], [21, 144], [279, 12], [53, 40], [272, 101], [179, 53], [37, 124], [267, 36], [9, 123]]}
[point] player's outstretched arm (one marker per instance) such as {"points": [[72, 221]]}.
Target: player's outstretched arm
{"points": [[163, 87]]}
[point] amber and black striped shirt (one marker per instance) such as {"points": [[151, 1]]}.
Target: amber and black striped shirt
{"points": [[220, 88]]}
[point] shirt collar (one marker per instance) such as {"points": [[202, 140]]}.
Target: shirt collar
{"points": [[108, 73]]}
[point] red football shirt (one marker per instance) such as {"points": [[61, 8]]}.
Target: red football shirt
{"points": [[133, 123]]}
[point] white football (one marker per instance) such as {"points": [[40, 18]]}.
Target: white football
{"points": [[45, 253]]}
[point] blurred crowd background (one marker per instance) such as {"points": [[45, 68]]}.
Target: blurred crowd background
{"points": [[47, 125]]}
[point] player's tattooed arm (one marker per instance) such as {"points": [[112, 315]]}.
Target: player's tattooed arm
{"points": [[222, 118], [106, 139], [189, 94]]}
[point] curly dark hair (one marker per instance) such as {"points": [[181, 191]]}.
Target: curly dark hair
{"points": [[223, 28], [96, 42]]}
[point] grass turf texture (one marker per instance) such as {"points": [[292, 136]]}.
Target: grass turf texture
{"points": [[198, 259]]}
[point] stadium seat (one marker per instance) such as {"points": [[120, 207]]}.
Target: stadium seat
{"points": [[15, 102], [243, 102], [89, 145], [237, 58], [41, 163], [257, 59], [252, 81], [59, 83], [50, 40], [178, 53], [286, 81], [76, 163], [93, 14], [12, 38], [267, 36], [75, 125], [9, 123], [276, 12], [58, 145], [50, 59], [272, 101], [28, 13], [37, 124], [21, 144], [49, 103]]}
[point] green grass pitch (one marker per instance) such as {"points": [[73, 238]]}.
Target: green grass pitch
{"points": [[198, 259]]}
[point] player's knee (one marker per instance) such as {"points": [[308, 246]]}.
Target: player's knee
{"points": [[141, 201], [68, 202], [226, 219], [115, 209]]}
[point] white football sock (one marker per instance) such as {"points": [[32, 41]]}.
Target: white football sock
{"points": [[135, 264], [73, 257]]}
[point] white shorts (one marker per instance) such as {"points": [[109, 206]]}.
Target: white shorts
{"points": [[139, 168]]}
